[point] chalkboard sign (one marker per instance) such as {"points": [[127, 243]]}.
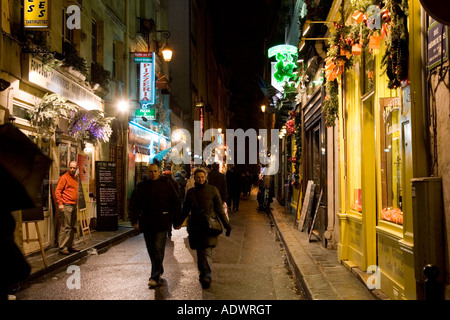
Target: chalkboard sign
{"points": [[307, 204], [36, 213], [437, 44], [106, 186]]}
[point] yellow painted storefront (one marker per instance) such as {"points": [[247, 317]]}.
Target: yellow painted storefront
{"points": [[381, 151]]}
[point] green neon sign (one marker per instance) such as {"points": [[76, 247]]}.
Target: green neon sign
{"points": [[283, 49], [286, 56]]}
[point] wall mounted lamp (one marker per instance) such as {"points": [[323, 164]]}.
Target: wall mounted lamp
{"points": [[199, 104], [166, 51]]}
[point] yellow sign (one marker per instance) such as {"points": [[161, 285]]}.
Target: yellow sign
{"points": [[36, 14]]}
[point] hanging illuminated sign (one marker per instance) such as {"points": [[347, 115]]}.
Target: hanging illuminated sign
{"points": [[286, 56], [149, 114], [36, 14], [147, 84], [143, 57]]}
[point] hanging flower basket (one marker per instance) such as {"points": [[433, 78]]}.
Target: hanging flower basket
{"points": [[90, 126], [52, 106]]}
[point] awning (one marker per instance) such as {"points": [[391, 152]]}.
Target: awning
{"points": [[160, 156]]}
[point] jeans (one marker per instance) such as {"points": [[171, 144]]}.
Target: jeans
{"points": [[204, 262], [67, 229], [156, 245]]}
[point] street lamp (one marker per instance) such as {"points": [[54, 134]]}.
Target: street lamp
{"points": [[263, 108], [166, 51], [123, 106]]}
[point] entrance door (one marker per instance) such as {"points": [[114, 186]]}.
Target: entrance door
{"points": [[368, 180]]}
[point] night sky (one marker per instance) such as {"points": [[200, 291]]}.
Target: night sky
{"points": [[241, 28]]}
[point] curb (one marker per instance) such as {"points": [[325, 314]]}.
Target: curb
{"points": [[306, 272], [298, 257], [67, 260]]}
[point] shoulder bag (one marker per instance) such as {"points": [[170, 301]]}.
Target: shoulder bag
{"points": [[211, 225]]}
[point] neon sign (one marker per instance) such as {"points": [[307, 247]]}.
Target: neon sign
{"points": [[286, 56], [147, 83]]}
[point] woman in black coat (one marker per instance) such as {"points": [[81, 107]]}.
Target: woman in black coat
{"points": [[203, 199]]}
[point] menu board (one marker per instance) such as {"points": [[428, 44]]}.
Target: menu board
{"points": [[107, 211]]}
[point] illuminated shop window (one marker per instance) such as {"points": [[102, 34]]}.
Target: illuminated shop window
{"points": [[354, 156], [369, 70], [391, 161]]}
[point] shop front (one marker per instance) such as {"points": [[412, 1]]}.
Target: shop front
{"points": [[45, 103], [378, 157], [144, 145]]}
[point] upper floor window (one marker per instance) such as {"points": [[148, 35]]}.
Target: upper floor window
{"points": [[67, 34], [94, 36]]}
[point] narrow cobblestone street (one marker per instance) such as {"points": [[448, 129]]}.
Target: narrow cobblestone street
{"points": [[249, 265]]}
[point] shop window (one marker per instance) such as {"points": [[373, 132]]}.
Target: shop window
{"points": [[369, 71], [114, 60], [94, 36], [67, 34], [21, 112], [391, 161], [354, 159], [67, 152]]}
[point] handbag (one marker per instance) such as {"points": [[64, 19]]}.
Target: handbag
{"points": [[210, 225]]}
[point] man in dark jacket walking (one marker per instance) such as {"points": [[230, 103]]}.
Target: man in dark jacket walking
{"points": [[154, 206], [218, 179], [203, 199]]}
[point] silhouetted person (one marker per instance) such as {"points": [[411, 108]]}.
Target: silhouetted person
{"points": [[154, 206], [203, 199]]}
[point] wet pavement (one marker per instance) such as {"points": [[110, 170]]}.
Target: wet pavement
{"points": [[252, 264], [266, 258]]}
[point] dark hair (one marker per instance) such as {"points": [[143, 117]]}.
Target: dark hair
{"points": [[199, 170], [215, 166]]}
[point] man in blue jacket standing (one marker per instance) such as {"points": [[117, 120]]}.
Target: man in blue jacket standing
{"points": [[154, 206]]}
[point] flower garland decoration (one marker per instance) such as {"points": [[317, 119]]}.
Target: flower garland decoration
{"points": [[374, 20], [90, 126], [331, 103], [83, 124], [395, 59], [51, 107], [298, 143], [290, 127]]}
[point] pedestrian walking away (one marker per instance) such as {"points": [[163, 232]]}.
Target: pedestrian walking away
{"points": [[234, 185], [218, 179], [67, 196], [153, 208], [203, 199], [180, 178]]}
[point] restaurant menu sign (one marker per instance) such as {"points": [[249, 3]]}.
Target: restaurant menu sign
{"points": [[106, 191]]}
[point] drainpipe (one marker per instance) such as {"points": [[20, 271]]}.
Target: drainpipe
{"points": [[125, 126]]}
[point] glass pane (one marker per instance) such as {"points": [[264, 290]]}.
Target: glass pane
{"points": [[354, 157], [391, 162], [369, 71]]}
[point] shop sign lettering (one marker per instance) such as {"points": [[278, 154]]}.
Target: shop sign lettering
{"points": [[36, 13]]}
